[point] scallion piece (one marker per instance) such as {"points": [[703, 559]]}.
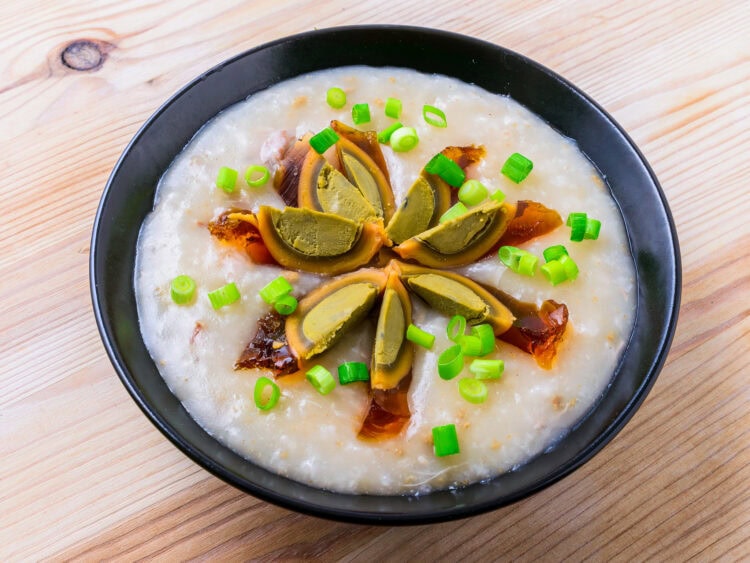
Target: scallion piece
{"points": [[385, 135], [577, 223], [486, 337], [450, 362], [470, 345], [321, 142], [554, 252], [510, 256], [527, 264], [256, 175], [320, 378], [224, 296], [273, 290], [517, 167], [571, 268], [420, 337], [455, 211], [360, 113], [393, 108], [447, 169], [472, 192], [498, 196], [434, 116], [554, 271], [285, 305], [487, 369], [336, 98], [473, 390], [182, 289], [404, 139], [350, 372], [445, 440], [593, 226], [456, 327], [226, 179], [266, 394]]}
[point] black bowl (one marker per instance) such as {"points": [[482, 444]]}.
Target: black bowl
{"points": [[129, 194]]}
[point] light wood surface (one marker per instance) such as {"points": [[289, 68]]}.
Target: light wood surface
{"points": [[83, 474]]}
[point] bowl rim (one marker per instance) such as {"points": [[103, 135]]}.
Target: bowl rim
{"points": [[376, 516]]}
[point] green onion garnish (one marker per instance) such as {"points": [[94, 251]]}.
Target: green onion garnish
{"points": [[321, 142], [577, 223], [593, 226], [434, 116], [266, 394], [527, 264], [446, 169], [226, 179], [472, 192], [420, 337], [498, 196], [273, 290], [486, 337], [256, 175], [393, 108], [517, 167], [353, 371], [404, 139], [473, 390], [510, 256], [385, 135], [456, 327], [470, 345], [360, 113], [182, 289], [456, 211], [554, 271], [445, 440], [450, 362], [224, 296], [285, 305], [487, 369], [320, 378], [554, 252], [571, 268], [336, 98]]}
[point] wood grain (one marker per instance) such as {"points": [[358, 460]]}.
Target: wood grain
{"points": [[85, 476]]}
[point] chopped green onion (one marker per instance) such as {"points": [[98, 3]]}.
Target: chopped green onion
{"points": [[447, 169], [445, 440], [182, 289], [224, 296], [470, 345], [336, 98], [571, 268], [486, 337], [420, 337], [510, 256], [434, 116], [256, 175], [473, 390], [577, 223], [487, 369], [456, 211], [456, 327], [498, 196], [404, 139], [554, 271], [385, 135], [517, 167], [554, 252], [264, 399], [472, 192], [285, 305], [527, 264], [593, 226], [393, 108], [353, 371], [226, 179], [450, 362], [324, 140], [273, 290], [320, 378], [360, 113]]}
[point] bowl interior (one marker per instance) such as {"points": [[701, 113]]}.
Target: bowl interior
{"points": [[129, 194]]}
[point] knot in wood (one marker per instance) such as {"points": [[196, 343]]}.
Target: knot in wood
{"points": [[83, 54]]}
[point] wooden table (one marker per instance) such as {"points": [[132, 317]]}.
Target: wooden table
{"points": [[85, 475]]}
